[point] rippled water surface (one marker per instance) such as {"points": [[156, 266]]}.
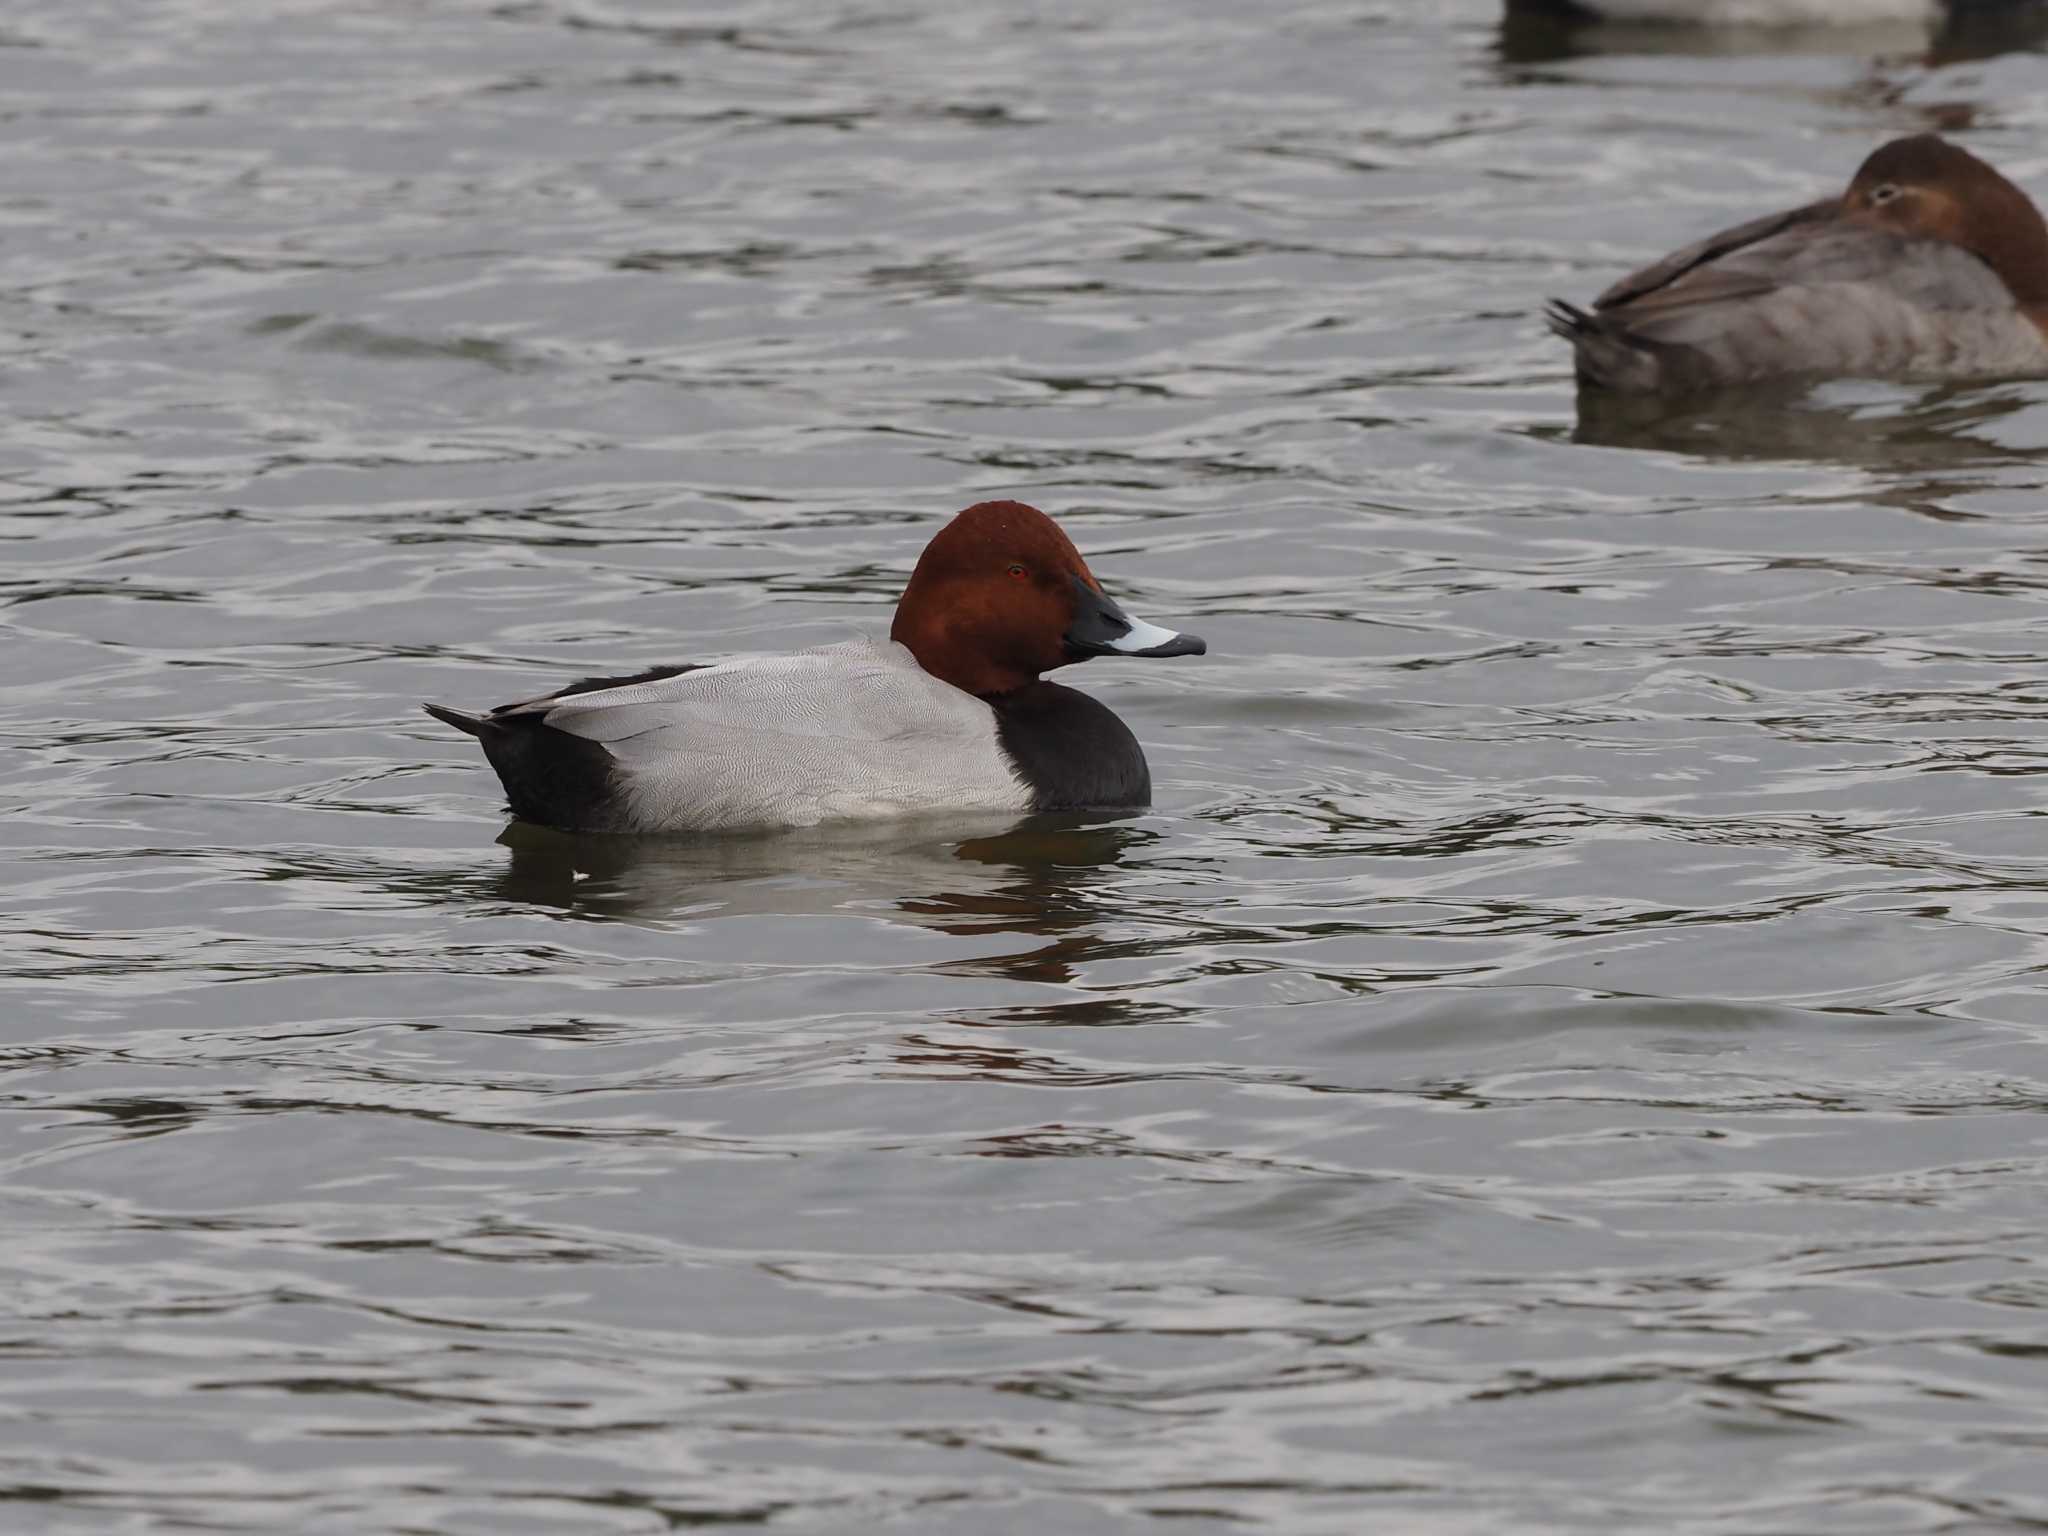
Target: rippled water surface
{"points": [[1564, 1054]]}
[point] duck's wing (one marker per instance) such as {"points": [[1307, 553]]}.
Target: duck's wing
{"points": [[1705, 262], [858, 693]]}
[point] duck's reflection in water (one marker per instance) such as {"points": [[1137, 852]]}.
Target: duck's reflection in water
{"points": [[1874, 426], [1047, 877]]}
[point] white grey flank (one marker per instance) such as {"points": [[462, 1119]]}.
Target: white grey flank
{"points": [[857, 729]]}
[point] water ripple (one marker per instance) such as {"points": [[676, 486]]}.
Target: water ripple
{"points": [[1563, 1053]]}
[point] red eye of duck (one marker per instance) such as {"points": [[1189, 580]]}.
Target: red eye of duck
{"points": [[1018, 571]]}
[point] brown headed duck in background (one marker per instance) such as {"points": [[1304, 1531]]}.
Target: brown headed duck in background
{"points": [[1931, 265]]}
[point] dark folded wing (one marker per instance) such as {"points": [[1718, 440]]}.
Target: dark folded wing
{"points": [[1704, 262]]}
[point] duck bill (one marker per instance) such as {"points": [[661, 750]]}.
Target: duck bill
{"points": [[1101, 628]]}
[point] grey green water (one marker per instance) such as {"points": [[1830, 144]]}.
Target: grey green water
{"points": [[1565, 1053]]}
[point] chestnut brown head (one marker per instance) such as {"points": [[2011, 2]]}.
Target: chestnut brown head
{"points": [[1924, 185], [1001, 595]]}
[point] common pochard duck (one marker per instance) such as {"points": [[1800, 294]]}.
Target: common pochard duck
{"points": [[1931, 265], [948, 713]]}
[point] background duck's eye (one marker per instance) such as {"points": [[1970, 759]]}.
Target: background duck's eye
{"points": [[1017, 571], [1883, 193]]}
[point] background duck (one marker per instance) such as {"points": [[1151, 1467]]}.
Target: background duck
{"points": [[1930, 265]]}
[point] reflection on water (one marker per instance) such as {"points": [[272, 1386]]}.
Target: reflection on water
{"points": [[1034, 877], [1934, 432], [1575, 1008], [959, 872]]}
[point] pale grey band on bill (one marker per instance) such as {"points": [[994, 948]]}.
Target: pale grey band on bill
{"points": [[1142, 637]]}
